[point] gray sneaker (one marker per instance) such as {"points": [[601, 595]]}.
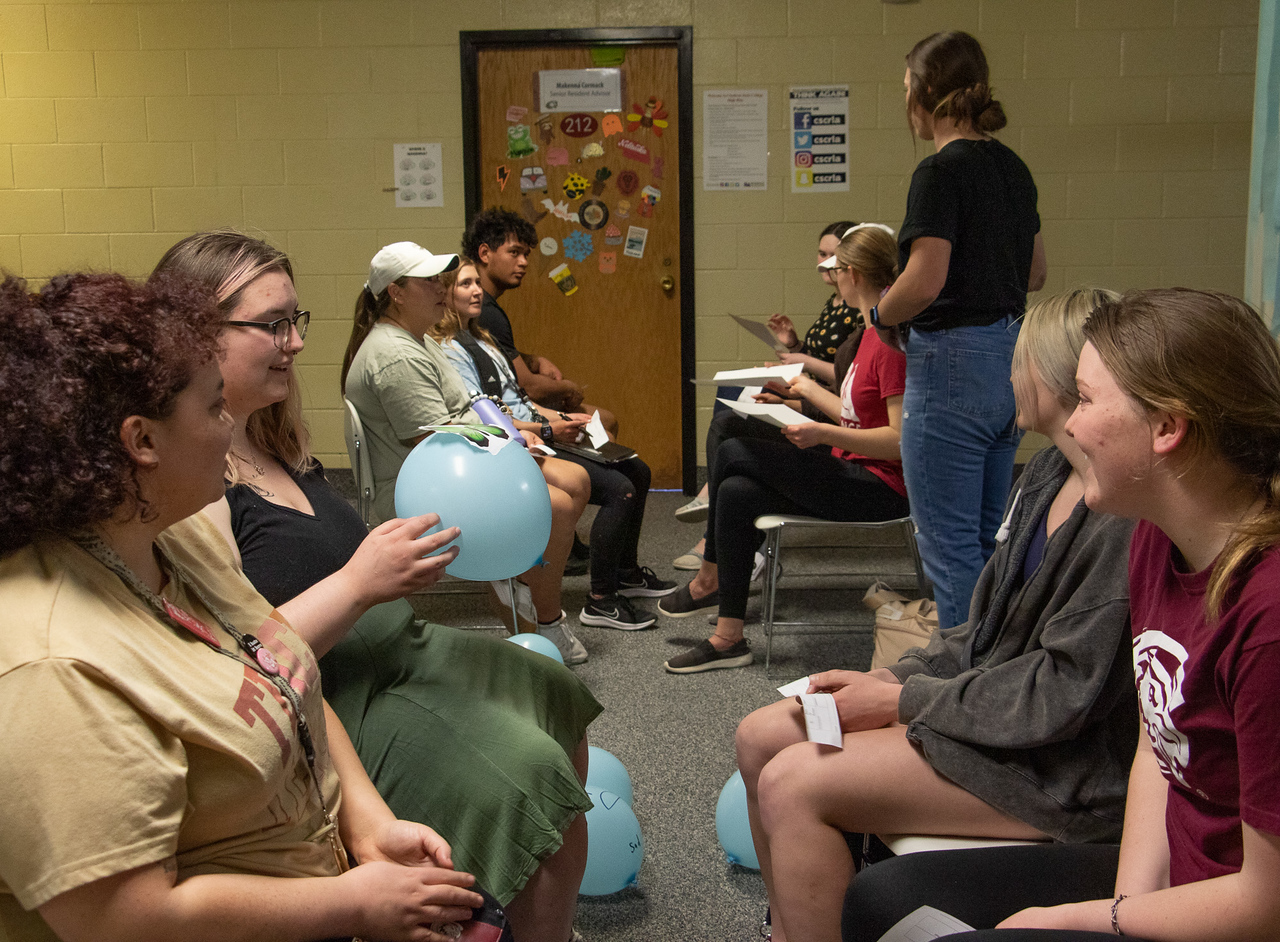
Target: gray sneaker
{"points": [[705, 657], [558, 633], [615, 611], [694, 512]]}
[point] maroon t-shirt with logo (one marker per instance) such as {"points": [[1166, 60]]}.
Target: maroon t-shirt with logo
{"points": [[1210, 697]]}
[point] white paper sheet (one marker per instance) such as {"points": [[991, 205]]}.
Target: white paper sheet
{"points": [[761, 331], [595, 431], [795, 688], [772, 412], [735, 139], [822, 719], [924, 924]]}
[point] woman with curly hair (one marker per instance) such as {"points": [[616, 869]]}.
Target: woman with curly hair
{"points": [[169, 768], [480, 739]]}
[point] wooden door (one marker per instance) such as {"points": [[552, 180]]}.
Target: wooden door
{"points": [[603, 294]]}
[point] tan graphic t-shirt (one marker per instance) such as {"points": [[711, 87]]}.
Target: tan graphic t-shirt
{"points": [[128, 741]]}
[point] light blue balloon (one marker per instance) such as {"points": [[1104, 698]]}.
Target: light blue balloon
{"points": [[535, 642], [500, 502], [732, 825], [606, 772], [615, 848]]}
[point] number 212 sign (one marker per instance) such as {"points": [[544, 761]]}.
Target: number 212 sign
{"points": [[578, 125]]}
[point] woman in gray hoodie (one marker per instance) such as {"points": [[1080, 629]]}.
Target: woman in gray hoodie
{"points": [[1018, 724]]}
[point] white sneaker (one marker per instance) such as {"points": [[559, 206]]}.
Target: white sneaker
{"points": [[757, 571], [558, 633], [524, 598], [693, 512]]}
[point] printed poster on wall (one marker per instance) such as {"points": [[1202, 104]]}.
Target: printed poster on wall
{"points": [[735, 139], [419, 179], [820, 139], [580, 90]]}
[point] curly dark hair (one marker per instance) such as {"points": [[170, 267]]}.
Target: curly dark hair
{"points": [[79, 358], [492, 227]]}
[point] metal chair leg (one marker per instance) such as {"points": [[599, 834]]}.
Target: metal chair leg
{"points": [[515, 615], [772, 546]]}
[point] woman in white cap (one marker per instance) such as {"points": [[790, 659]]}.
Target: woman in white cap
{"points": [[399, 383], [844, 471]]}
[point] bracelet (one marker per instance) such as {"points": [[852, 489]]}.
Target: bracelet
{"points": [[1115, 913]]}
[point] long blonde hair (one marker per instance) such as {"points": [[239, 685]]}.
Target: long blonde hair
{"points": [[226, 262], [1205, 357], [448, 326], [1051, 339]]}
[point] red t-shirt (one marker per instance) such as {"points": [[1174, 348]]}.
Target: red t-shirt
{"points": [[878, 371], [1210, 697]]}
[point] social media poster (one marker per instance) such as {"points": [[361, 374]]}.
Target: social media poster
{"points": [[820, 139]]}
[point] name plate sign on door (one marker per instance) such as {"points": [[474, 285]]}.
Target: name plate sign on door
{"points": [[580, 90]]}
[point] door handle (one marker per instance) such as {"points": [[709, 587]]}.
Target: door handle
{"points": [[668, 284]]}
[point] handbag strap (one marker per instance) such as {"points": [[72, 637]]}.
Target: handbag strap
{"points": [[490, 381]]}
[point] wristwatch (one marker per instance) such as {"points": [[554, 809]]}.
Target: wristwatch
{"points": [[547, 435], [874, 316]]}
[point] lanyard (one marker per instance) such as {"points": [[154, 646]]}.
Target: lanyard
{"points": [[258, 657]]}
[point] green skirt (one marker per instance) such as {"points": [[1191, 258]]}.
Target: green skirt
{"points": [[466, 733]]}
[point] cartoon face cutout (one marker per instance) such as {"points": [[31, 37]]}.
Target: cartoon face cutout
{"points": [[519, 144]]}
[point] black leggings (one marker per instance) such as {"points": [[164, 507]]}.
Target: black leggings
{"points": [[753, 477], [620, 490], [982, 888]]}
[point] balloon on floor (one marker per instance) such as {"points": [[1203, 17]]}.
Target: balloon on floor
{"points": [[615, 848], [535, 642], [606, 772], [477, 479], [732, 826]]}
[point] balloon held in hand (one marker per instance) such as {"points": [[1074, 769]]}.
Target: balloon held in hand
{"points": [[494, 494]]}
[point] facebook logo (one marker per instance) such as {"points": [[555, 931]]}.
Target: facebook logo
{"points": [[804, 140], [804, 120]]}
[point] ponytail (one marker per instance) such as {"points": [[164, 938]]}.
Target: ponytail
{"points": [[368, 310]]}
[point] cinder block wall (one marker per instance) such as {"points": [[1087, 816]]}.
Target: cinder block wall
{"points": [[124, 126]]}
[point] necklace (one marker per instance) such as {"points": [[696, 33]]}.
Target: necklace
{"points": [[258, 470]]}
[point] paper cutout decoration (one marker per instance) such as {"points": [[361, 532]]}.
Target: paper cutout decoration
{"points": [[560, 210], [611, 125], [650, 116], [575, 186], [503, 174], [577, 246], [636, 239], [530, 212], [519, 144], [634, 149], [557, 157], [516, 113], [645, 209], [612, 235], [628, 182], [533, 178], [658, 164], [608, 263], [546, 128], [593, 213], [602, 177], [564, 279], [578, 125], [649, 198], [548, 246], [592, 150]]}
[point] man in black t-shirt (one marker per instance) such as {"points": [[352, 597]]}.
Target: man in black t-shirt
{"points": [[500, 242]]}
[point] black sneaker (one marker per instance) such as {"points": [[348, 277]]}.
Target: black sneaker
{"points": [[704, 657], [643, 582], [615, 611], [682, 604]]}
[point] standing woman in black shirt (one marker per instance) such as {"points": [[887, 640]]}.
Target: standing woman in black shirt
{"points": [[970, 249]]}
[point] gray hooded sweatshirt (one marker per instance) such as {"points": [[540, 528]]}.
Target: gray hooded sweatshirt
{"points": [[1031, 704]]}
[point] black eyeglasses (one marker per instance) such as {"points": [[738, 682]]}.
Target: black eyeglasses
{"points": [[280, 327]]}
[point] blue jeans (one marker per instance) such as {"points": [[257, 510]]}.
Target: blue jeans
{"points": [[959, 440]]}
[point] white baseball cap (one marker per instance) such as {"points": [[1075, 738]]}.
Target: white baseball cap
{"points": [[832, 262], [405, 259]]}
